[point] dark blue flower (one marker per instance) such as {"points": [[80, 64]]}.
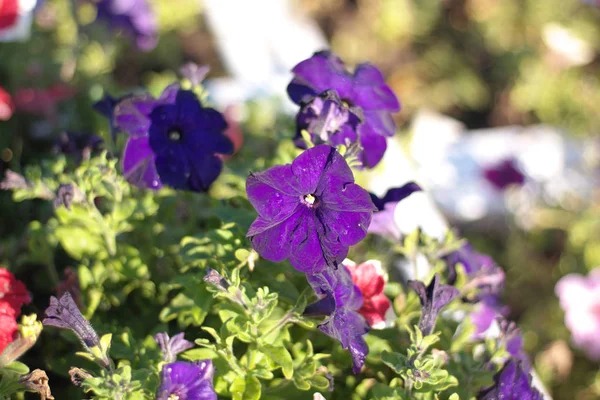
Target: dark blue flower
{"points": [[340, 301], [173, 140], [170, 347], [511, 383], [134, 18], [433, 298], [187, 381], [338, 106]]}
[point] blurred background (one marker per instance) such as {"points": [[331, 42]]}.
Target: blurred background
{"points": [[499, 119]]}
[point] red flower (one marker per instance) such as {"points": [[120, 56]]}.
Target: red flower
{"points": [[7, 107], [370, 279], [13, 294], [9, 12]]}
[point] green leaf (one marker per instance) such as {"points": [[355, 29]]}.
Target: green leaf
{"points": [[281, 356], [395, 361], [253, 388], [17, 367]]}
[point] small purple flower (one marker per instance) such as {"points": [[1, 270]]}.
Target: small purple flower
{"points": [[310, 211], [63, 313], [433, 298], [134, 18], [511, 383], [80, 146], [481, 269], [383, 222], [194, 73], [172, 140], [170, 347], [187, 381], [337, 105], [504, 174], [340, 300]]}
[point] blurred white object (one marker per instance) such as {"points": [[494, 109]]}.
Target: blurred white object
{"points": [[572, 49], [260, 43], [450, 162], [21, 29]]}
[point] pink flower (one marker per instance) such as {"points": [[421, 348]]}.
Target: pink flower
{"points": [[370, 279], [7, 108], [580, 299]]}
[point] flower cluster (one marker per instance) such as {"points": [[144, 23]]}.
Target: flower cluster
{"points": [[337, 107], [13, 295]]}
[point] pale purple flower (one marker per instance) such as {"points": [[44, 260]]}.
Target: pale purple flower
{"points": [[134, 18], [580, 299], [340, 300], [433, 298], [310, 211], [170, 347], [187, 381], [194, 73], [339, 106]]}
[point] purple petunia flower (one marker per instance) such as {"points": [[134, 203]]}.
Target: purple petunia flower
{"points": [[433, 298], [383, 222], [504, 174], [170, 347], [340, 301], [310, 211], [173, 140], [511, 383], [337, 106], [106, 106], [187, 381], [134, 18]]}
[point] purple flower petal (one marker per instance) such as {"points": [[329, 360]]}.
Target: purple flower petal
{"points": [[504, 174], [63, 313], [433, 298], [395, 195], [170, 347], [373, 144], [371, 92], [138, 164], [324, 71], [132, 115], [187, 381], [133, 17], [511, 383]]}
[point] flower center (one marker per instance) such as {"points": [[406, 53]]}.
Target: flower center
{"points": [[175, 134], [173, 397], [310, 200]]}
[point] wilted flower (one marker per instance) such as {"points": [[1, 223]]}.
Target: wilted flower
{"points": [[80, 146], [370, 279], [187, 381], [37, 381], [310, 211], [580, 299], [7, 107], [339, 106], [340, 300], [504, 174], [170, 347], [134, 18], [383, 222], [173, 140], [433, 298], [511, 383], [63, 313]]}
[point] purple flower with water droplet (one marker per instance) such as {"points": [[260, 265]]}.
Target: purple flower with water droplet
{"points": [[504, 174], [187, 381], [383, 222], [134, 18], [340, 300], [172, 140], [310, 211], [433, 298], [170, 347], [511, 383], [363, 112]]}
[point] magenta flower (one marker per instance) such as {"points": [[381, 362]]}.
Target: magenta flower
{"points": [[340, 300], [580, 299], [337, 106], [511, 383], [187, 381], [504, 174], [173, 140], [310, 211]]}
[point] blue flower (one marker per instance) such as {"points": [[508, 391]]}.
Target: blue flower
{"points": [[187, 381], [173, 140]]}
